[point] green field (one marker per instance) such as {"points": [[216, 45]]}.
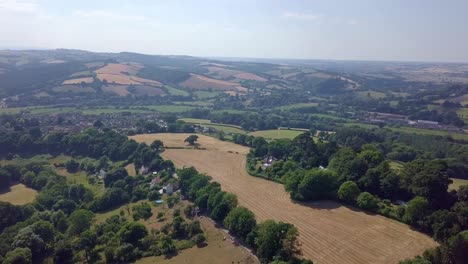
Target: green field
{"points": [[205, 94], [362, 125], [176, 92], [332, 117], [195, 120], [220, 127], [371, 94], [297, 106], [457, 183], [226, 128], [276, 133], [463, 114]]}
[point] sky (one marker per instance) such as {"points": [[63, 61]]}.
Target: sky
{"points": [[396, 30]]}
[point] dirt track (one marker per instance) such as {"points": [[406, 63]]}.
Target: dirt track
{"points": [[329, 232]]}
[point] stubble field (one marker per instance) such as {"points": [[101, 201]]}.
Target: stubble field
{"points": [[329, 232]]}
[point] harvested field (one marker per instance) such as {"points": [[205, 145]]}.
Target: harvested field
{"points": [[177, 141], [199, 82], [78, 80], [18, 194], [116, 68], [330, 232], [122, 74], [235, 74], [217, 251], [118, 89]]}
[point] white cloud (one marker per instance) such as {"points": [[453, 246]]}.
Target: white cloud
{"points": [[19, 6], [301, 16], [104, 14]]}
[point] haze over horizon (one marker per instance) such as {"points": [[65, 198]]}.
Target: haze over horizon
{"points": [[335, 30]]}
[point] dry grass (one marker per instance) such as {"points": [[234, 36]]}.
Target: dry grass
{"points": [[118, 89], [330, 232], [78, 80], [199, 82], [19, 194], [235, 74], [177, 141], [217, 250], [131, 169], [122, 74]]}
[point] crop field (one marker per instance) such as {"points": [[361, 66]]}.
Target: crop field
{"points": [[18, 194], [276, 133], [78, 80], [235, 74], [199, 82], [330, 232], [122, 74]]}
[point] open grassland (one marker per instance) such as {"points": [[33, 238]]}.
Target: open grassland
{"points": [[217, 251], [195, 120], [219, 127], [463, 114], [123, 74], [173, 91], [79, 80], [199, 82], [371, 94], [223, 72], [456, 183], [172, 140], [73, 89], [205, 94], [330, 232], [18, 194], [131, 169], [297, 106], [276, 133]]}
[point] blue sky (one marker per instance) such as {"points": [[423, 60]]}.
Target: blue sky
{"points": [[410, 30]]}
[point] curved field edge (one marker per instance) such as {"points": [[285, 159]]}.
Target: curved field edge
{"points": [[329, 232]]}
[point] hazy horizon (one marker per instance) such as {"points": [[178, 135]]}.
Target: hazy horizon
{"points": [[364, 30]]}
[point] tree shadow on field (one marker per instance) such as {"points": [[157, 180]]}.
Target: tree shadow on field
{"points": [[330, 205]]}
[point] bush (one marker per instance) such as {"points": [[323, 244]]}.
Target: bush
{"points": [[199, 239], [367, 201], [348, 192]]}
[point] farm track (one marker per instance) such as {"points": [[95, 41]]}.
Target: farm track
{"points": [[329, 232]]}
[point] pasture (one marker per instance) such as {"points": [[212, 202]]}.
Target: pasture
{"points": [[18, 194], [276, 133], [456, 183], [329, 231]]}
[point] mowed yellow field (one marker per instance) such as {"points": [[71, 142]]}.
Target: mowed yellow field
{"points": [[329, 232], [19, 194]]}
